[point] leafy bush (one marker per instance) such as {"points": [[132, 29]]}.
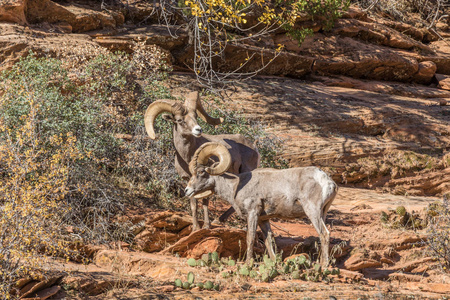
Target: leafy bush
{"points": [[59, 153], [73, 150], [438, 233], [34, 176]]}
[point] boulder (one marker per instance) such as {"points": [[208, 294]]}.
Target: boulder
{"points": [[343, 55], [350, 275], [359, 261], [151, 240], [443, 81], [207, 245], [43, 287], [80, 19], [161, 230], [13, 11], [411, 265], [233, 243], [45, 293], [426, 72]]}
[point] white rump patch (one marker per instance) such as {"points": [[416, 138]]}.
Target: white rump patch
{"points": [[324, 181]]}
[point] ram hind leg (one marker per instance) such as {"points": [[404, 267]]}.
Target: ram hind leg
{"points": [[269, 240], [252, 223], [318, 221]]}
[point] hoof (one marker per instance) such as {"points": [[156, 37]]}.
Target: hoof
{"points": [[222, 220]]}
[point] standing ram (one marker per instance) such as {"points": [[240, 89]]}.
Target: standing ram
{"points": [[188, 137], [265, 193]]}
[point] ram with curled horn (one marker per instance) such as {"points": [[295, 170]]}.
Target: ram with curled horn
{"points": [[188, 137], [262, 194]]}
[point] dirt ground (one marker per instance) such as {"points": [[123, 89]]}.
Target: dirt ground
{"points": [[376, 262]]}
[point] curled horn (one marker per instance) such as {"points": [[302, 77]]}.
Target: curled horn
{"points": [[193, 103], [205, 151], [155, 109]]}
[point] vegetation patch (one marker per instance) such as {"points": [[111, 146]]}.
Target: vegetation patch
{"points": [[265, 269], [400, 218], [438, 233], [73, 152]]}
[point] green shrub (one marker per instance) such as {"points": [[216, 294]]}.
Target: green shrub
{"points": [[438, 233], [97, 99]]}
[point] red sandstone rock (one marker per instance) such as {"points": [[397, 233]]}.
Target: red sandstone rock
{"points": [[426, 71], [233, 241], [442, 288], [34, 287], [350, 275], [409, 266], [405, 277], [13, 11], [207, 245], [443, 81], [359, 261]]}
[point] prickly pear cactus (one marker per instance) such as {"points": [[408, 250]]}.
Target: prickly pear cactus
{"points": [[400, 210], [273, 273], [190, 277], [178, 282], [231, 263], [244, 271], [208, 285], [192, 262], [265, 276], [295, 275], [207, 258], [301, 259], [215, 257]]}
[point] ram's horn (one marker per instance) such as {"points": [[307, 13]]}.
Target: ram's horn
{"points": [[193, 103], [204, 115], [205, 151], [155, 109]]}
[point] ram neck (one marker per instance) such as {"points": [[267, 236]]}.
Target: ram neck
{"points": [[185, 145], [225, 186]]}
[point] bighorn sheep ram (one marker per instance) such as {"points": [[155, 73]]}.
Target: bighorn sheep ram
{"points": [[265, 193], [188, 137]]}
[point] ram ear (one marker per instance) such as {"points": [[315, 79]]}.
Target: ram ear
{"points": [[168, 117]]}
